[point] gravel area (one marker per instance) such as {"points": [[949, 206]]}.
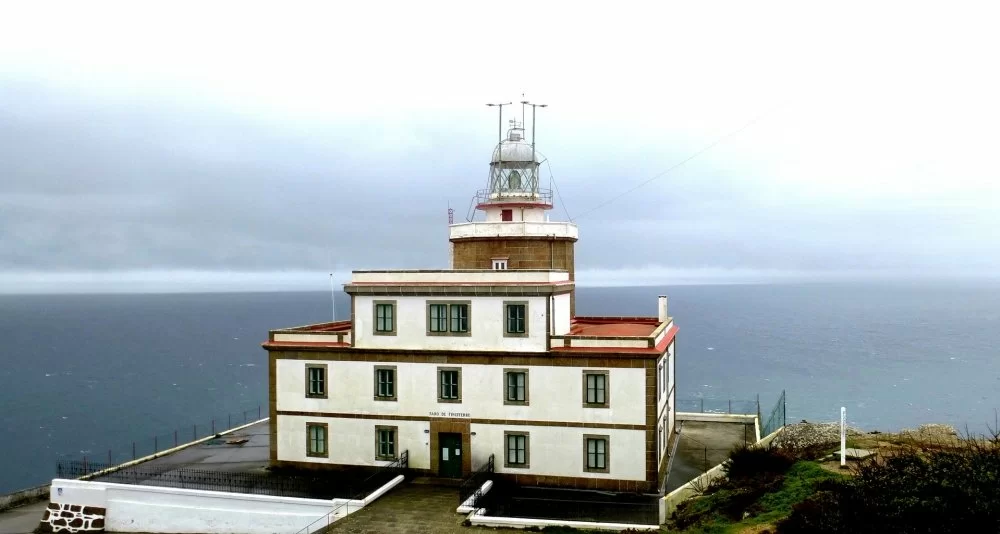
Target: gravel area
{"points": [[801, 435]]}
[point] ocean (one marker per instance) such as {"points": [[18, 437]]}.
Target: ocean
{"points": [[85, 374]]}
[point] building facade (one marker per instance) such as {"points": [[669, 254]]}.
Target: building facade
{"points": [[486, 358]]}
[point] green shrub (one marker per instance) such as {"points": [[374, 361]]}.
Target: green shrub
{"points": [[956, 490], [749, 463]]}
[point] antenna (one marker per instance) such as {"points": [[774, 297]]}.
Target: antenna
{"points": [[333, 299], [533, 106], [499, 120]]}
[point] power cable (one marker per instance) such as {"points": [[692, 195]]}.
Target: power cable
{"points": [[704, 149]]}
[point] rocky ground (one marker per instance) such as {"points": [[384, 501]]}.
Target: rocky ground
{"points": [[805, 435]]}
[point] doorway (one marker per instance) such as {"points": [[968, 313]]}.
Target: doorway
{"points": [[450, 455]]}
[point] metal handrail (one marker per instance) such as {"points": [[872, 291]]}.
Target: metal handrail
{"points": [[472, 485], [401, 463]]}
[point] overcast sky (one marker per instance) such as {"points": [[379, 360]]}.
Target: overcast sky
{"points": [[245, 145]]}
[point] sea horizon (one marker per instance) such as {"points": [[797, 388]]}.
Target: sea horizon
{"points": [[90, 372]]}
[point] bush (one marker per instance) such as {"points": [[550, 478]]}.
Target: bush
{"points": [[952, 490], [750, 463]]}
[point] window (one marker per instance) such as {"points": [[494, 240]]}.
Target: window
{"points": [[385, 383], [514, 180], [506, 215], [663, 376], [516, 382], [438, 320], [385, 442], [316, 380], [499, 264], [448, 318], [449, 384], [595, 453], [659, 445], [517, 450], [595, 389], [459, 318], [516, 315], [385, 317], [316, 434]]}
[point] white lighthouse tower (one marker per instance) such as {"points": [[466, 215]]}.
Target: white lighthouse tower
{"points": [[516, 233]]}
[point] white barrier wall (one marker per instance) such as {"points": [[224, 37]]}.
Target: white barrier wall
{"points": [[172, 510]]}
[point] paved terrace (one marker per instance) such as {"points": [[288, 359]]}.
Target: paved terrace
{"points": [[703, 445], [238, 463]]}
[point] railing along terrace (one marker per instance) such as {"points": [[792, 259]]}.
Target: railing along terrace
{"points": [[382, 475], [471, 486], [721, 406]]}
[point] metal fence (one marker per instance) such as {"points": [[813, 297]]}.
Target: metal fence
{"points": [[383, 474], [507, 500], [282, 483], [709, 405], [470, 486], [777, 417], [142, 447]]}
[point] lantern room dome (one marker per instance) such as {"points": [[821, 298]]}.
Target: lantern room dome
{"points": [[514, 149]]}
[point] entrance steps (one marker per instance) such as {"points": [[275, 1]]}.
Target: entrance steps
{"points": [[438, 481]]}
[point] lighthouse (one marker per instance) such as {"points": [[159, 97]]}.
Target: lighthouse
{"points": [[514, 230], [484, 366]]}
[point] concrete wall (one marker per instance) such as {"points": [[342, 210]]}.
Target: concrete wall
{"points": [[464, 276], [25, 496], [561, 314], [495, 214], [131, 508], [486, 325], [507, 229], [555, 393]]}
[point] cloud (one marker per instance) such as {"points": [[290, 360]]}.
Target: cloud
{"points": [[313, 139]]}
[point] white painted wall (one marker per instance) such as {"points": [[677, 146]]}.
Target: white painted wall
{"points": [[510, 229], [558, 451], [555, 393], [308, 338], [461, 276], [486, 324], [517, 214], [132, 508], [352, 441], [640, 343], [560, 311]]}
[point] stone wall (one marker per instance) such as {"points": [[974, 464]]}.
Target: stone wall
{"points": [[72, 518], [521, 253]]}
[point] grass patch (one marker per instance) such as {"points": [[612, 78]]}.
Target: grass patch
{"points": [[722, 511]]}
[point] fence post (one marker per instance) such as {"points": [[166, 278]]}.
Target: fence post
{"points": [[784, 410], [229, 419], [258, 412], [703, 405], [133, 450], [109, 458], [156, 444], [175, 438], [706, 460], [85, 470], [730, 406], [194, 432], [244, 417]]}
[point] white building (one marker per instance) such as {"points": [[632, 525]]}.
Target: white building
{"points": [[485, 358]]}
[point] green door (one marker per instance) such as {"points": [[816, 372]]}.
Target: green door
{"points": [[450, 455]]}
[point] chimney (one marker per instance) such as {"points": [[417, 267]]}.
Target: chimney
{"points": [[662, 301]]}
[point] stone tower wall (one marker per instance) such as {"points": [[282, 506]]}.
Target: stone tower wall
{"points": [[521, 253]]}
